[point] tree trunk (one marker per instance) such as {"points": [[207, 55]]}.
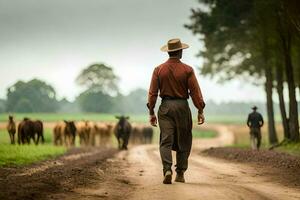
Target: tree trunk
{"points": [[285, 123], [293, 107], [271, 122]]}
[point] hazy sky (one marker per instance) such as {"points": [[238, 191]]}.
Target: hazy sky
{"points": [[55, 39]]}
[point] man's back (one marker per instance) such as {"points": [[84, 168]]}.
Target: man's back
{"points": [[176, 80], [173, 76], [255, 120]]}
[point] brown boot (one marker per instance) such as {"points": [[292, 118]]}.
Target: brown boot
{"points": [[168, 178], [180, 177]]}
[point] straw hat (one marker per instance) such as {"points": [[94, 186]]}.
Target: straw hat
{"points": [[174, 45]]}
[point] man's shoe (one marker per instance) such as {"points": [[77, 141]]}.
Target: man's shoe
{"points": [[180, 177], [168, 178]]}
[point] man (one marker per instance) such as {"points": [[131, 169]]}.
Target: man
{"points": [[174, 81], [255, 122]]}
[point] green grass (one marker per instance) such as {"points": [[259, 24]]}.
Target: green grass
{"points": [[204, 133], [26, 154], [291, 148], [4, 137]]}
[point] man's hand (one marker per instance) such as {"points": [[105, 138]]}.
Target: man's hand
{"points": [[201, 118], [153, 120]]}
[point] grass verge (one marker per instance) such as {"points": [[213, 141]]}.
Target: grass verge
{"points": [[204, 133], [26, 154], [291, 148]]}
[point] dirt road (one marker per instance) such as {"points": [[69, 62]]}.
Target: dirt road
{"points": [[136, 174], [207, 178]]}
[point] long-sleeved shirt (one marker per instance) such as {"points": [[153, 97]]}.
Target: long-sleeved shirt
{"points": [[177, 80], [255, 120]]}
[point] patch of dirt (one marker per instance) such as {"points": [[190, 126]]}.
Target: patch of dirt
{"points": [[89, 168], [281, 167]]}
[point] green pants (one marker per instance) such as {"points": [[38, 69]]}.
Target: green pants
{"points": [[175, 123]]}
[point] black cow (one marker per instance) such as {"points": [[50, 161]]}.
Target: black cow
{"points": [[122, 131]]}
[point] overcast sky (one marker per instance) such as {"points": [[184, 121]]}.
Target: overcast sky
{"points": [[54, 40]]}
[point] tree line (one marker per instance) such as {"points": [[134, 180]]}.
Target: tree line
{"points": [[259, 41], [101, 95]]}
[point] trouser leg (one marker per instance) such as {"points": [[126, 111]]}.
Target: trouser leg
{"points": [[165, 149], [258, 140], [182, 161], [253, 142]]}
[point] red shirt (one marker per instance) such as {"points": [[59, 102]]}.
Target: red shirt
{"points": [[174, 79]]}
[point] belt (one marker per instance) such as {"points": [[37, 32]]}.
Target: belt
{"points": [[172, 98]]}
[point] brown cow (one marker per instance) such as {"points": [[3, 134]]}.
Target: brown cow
{"points": [[28, 129], [11, 129], [99, 133], [141, 134], [136, 136], [84, 129], [105, 135], [64, 133], [147, 134]]}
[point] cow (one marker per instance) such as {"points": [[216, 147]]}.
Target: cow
{"points": [[122, 132], [105, 137], [28, 129], [64, 133], [147, 134], [84, 129], [137, 136], [11, 129], [101, 134]]}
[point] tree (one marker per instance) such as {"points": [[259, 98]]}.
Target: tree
{"points": [[100, 82], [2, 105], [237, 43], [134, 102], [31, 96], [90, 101], [252, 38], [286, 35], [99, 78], [24, 106]]}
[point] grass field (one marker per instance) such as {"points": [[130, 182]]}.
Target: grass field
{"points": [[26, 154]]}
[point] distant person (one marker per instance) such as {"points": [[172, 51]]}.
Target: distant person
{"points": [[174, 81], [255, 121]]}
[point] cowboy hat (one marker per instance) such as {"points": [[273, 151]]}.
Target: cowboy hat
{"points": [[174, 45], [254, 108]]}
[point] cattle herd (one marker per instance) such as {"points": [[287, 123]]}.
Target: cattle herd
{"points": [[89, 133]]}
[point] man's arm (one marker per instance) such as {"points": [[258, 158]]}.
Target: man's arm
{"points": [[153, 92], [195, 92], [261, 121], [248, 121]]}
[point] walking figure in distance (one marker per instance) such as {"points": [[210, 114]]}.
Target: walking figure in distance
{"points": [[174, 81], [255, 121]]}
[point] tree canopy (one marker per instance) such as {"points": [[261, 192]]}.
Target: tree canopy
{"points": [[31, 96], [99, 78]]}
